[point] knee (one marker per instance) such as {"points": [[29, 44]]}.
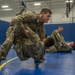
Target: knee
{"points": [[9, 40]]}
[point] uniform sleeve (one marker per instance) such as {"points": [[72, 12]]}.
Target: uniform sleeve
{"points": [[41, 32], [58, 37], [62, 40], [29, 17], [17, 22], [32, 35]]}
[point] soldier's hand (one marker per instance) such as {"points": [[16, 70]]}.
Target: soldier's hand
{"points": [[27, 33]]}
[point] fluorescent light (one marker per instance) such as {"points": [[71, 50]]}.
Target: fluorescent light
{"points": [[37, 4], [5, 6], [69, 1], [7, 9]]}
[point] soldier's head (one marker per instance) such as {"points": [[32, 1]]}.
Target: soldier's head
{"points": [[48, 41], [60, 28], [45, 15]]}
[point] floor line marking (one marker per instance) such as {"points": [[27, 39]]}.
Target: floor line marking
{"points": [[7, 62]]}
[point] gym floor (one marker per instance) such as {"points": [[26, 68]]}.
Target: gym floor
{"points": [[54, 64]]}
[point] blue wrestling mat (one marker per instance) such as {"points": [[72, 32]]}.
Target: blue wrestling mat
{"points": [[54, 64]]}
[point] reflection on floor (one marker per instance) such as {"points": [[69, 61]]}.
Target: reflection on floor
{"points": [[55, 64]]}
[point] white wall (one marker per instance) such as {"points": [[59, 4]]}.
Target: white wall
{"points": [[58, 16]]}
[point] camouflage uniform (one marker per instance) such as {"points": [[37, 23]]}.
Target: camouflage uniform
{"points": [[28, 21], [31, 23], [25, 48], [5, 47], [60, 44]]}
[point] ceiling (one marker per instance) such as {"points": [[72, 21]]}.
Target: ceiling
{"points": [[16, 5], [56, 6]]}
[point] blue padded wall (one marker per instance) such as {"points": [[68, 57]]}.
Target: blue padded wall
{"points": [[68, 32], [3, 28]]}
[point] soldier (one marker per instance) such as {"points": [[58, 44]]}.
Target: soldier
{"points": [[29, 21], [25, 48], [60, 45]]}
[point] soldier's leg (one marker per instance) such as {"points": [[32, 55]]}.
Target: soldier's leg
{"points": [[26, 49], [8, 42], [51, 49], [65, 49], [21, 50], [36, 51], [5, 47]]}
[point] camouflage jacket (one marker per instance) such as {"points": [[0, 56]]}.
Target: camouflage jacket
{"points": [[58, 39], [32, 21]]}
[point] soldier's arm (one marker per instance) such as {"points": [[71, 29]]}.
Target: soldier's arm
{"points": [[59, 37], [25, 30], [29, 17], [41, 32], [29, 33], [32, 34], [62, 40], [17, 22]]}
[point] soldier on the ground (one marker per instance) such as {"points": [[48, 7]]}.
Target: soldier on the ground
{"points": [[25, 48], [59, 43]]}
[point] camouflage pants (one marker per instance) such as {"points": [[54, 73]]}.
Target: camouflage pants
{"points": [[5, 47], [26, 49], [65, 48]]}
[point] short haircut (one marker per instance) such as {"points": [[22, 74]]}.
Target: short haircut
{"points": [[46, 10], [61, 26], [49, 41]]}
